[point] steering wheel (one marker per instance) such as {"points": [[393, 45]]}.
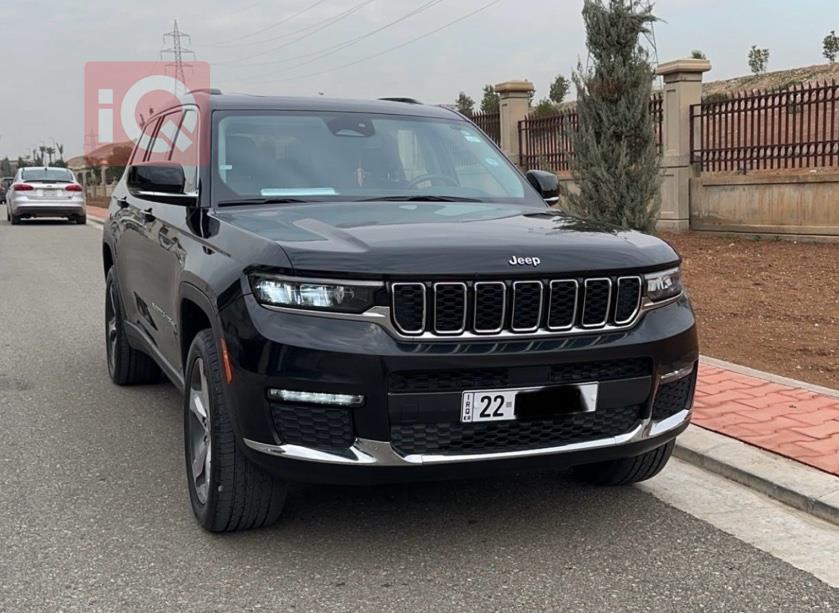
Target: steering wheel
{"points": [[431, 178]]}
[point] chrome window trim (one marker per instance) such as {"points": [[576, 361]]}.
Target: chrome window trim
{"points": [[583, 323], [541, 304], [503, 307], [421, 329], [465, 307], [551, 301], [637, 304]]}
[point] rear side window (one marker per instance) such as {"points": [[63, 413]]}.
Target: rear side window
{"points": [[47, 175], [161, 146], [143, 144]]}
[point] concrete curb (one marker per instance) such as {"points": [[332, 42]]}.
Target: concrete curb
{"points": [[792, 483]]}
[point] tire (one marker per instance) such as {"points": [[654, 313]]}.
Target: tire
{"points": [[229, 492], [14, 219], [625, 471], [80, 219], [126, 365]]}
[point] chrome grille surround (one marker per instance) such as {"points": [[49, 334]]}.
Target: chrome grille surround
{"points": [[477, 287], [516, 300], [551, 301], [588, 285], [394, 294], [438, 290], [622, 283], [529, 308]]}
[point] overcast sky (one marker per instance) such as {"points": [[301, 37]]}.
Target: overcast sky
{"points": [[257, 46]]}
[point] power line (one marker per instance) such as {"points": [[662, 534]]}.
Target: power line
{"points": [[331, 50], [399, 46], [177, 51], [322, 26], [265, 29]]}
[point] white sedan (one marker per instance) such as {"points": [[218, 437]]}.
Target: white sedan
{"points": [[39, 191]]}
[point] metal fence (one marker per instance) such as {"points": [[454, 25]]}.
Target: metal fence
{"points": [[547, 143], [767, 130], [490, 123]]}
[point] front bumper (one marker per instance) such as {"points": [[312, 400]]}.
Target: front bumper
{"points": [[299, 352]]}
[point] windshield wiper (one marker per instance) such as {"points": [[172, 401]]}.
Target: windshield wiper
{"points": [[420, 198], [246, 201]]}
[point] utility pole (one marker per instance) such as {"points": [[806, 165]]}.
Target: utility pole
{"points": [[176, 51]]}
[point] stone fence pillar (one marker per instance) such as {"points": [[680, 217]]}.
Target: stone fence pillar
{"points": [[514, 106], [682, 88]]}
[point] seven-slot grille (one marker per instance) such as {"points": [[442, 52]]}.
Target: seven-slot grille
{"points": [[451, 308]]}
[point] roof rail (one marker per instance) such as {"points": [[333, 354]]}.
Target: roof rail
{"points": [[402, 99]]}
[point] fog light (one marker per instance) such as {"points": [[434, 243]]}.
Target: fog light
{"points": [[340, 400]]}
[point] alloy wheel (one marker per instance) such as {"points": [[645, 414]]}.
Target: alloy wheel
{"points": [[200, 444], [111, 329]]}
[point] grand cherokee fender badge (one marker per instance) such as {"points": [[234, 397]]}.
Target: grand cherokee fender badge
{"points": [[520, 261]]}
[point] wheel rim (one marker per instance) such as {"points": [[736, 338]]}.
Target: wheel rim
{"points": [[200, 444], [111, 329]]}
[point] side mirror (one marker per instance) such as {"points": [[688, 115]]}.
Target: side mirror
{"points": [[160, 182], [546, 183]]}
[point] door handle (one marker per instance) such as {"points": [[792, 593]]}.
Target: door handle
{"points": [[148, 214]]}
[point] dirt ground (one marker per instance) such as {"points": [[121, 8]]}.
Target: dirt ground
{"points": [[768, 304]]}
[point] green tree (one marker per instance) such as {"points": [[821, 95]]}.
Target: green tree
{"points": [[5, 167], [545, 108], [559, 89], [830, 46], [465, 104], [616, 166], [758, 60], [491, 102], [697, 54]]}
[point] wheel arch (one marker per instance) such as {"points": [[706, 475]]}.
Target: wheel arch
{"points": [[107, 258], [195, 313]]}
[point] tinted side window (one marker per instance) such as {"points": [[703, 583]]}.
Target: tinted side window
{"points": [[161, 145], [185, 148], [143, 144]]}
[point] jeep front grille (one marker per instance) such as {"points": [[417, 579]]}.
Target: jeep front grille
{"points": [[452, 308]]}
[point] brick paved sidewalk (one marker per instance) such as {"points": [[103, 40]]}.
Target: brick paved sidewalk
{"points": [[97, 212], [788, 420]]}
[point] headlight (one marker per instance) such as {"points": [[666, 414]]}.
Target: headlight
{"points": [[664, 285], [349, 298]]}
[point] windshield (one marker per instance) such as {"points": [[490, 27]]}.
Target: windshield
{"points": [[324, 156], [47, 175]]}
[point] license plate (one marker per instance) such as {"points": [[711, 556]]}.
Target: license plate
{"points": [[500, 405], [488, 405]]}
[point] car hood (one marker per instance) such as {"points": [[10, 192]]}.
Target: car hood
{"points": [[408, 238]]}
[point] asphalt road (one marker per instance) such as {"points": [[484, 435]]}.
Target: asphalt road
{"points": [[94, 513]]}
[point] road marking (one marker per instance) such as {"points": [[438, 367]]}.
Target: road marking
{"points": [[801, 540]]}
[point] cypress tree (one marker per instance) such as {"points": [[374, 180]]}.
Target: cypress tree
{"points": [[616, 166]]}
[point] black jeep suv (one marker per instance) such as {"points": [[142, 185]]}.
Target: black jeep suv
{"points": [[363, 292]]}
